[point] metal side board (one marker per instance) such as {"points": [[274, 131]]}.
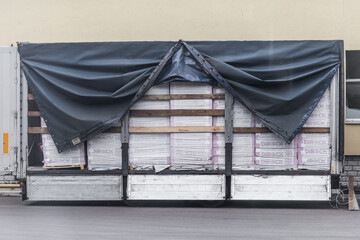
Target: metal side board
{"points": [[74, 188]]}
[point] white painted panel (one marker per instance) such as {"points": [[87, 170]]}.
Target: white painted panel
{"points": [[266, 187], [72, 188], [8, 110], [176, 187]]}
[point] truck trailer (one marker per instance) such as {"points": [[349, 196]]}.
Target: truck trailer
{"points": [[210, 121]]}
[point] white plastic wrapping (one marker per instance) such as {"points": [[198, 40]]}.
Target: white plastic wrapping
{"points": [[314, 151], [242, 116], [152, 150], [321, 115], [200, 151], [148, 150], [72, 157], [271, 140], [191, 150], [104, 152]]}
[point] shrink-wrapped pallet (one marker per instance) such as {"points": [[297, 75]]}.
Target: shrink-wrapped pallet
{"points": [[243, 151], [271, 140], [273, 153], [321, 116], [150, 150], [104, 152], [243, 143], [218, 150], [191, 150], [69, 158], [218, 104], [242, 116], [218, 141], [314, 151]]}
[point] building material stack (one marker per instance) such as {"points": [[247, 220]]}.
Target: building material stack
{"points": [[218, 139], [73, 157], [150, 150], [314, 149], [272, 153], [191, 151], [104, 152]]}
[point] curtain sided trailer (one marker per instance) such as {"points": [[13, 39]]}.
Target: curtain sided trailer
{"points": [[187, 138]]}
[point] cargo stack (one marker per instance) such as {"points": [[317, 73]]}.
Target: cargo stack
{"points": [[104, 151], [70, 158], [314, 149], [218, 139], [272, 153], [243, 143], [200, 151], [191, 151], [149, 151]]}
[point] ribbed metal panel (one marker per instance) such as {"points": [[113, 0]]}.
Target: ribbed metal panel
{"points": [[8, 113]]}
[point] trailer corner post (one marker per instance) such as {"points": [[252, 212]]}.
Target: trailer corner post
{"points": [[229, 118], [341, 105], [125, 153]]}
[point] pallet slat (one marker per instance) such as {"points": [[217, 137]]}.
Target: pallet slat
{"points": [[161, 113], [185, 129], [190, 129], [177, 112], [34, 114], [169, 97], [81, 166]]}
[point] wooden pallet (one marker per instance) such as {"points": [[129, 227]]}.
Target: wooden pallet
{"points": [[81, 166]]}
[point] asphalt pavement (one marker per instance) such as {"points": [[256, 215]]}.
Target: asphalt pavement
{"points": [[175, 220]]}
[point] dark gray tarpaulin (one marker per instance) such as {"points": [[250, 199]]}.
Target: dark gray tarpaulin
{"points": [[83, 89]]}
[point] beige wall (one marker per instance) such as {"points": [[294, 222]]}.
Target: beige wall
{"points": [[119, 20]]}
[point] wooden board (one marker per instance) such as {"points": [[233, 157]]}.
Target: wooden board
{"points": [[81, 166], [176, 112], [44, 130], [266, 130], [184, 129], [161, 113], [190, 129], [34, 114], [169, 97], [30, 97]]}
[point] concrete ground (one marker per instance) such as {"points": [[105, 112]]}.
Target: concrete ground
{"points": [[175, 220]]}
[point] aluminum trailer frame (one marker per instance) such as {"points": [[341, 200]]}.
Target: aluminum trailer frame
{"points": [[125, 184]]}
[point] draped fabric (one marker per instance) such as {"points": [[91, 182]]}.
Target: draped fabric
{"points": [[82, 89]]}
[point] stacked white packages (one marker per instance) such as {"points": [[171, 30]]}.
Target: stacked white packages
{"points": [[243, 147], [272, 153], [321, 115], [71, 157], [148, 151], [314, 151], [243, 151], [243, 144], [104, 152], [218, 139], [191, 150]]}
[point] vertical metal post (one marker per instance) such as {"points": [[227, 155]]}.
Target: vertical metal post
{"points": [[125, 153], [341, 105], [334, 128], [23, 125], [229, 118]]}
